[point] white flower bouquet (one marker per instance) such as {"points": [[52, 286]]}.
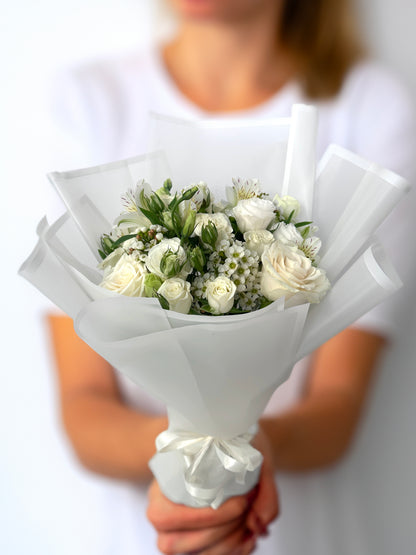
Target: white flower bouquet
{"points": [[199, 258], [208, 306]]}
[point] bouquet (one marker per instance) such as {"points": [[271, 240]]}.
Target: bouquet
{"points": [[208, 306], [200, 258]]}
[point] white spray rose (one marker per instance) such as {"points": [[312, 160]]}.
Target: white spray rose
{"points": [[157, 252], [201, 197], [178, 294], [253, 213], [126, 278], [257, 240], [287, 271], [220, 294], [220, 220], [287, 205], [287, 234]]}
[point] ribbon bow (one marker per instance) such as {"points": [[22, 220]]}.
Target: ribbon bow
{"points": [[201, 455]]}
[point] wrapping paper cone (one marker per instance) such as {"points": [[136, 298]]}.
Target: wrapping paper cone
{"points": [[216, 374]]}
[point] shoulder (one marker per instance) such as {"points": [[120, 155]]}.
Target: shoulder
{"points": [[101, 102], [379, 113], [121, 70], [103, 83], [373, 82]]}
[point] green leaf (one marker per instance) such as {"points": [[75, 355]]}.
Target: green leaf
{"points": [[233, 223], [122, 239], [206, 308], [289, 219], [156, 203], [302, 224], [188, 194], [189, 225], [151, 284], [194, 311], [106, 244], [305, 232], [173, 203], [155, 219], [264, 302], [197, 259], [144, 201], [177, 221], [209, 234], [167, 185], [102, 254], [163, 302]]}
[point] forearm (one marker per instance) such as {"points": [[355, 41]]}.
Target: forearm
{"points": [[317, 431], [109, 437], [313, 434]]}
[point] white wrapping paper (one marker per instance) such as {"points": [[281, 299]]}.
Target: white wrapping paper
{"points": [[216, 374]]}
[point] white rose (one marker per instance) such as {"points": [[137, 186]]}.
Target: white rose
{"points": [[126, 278], [220, 294], [287, 205], [257, 240], [178, 294], [156, 253], [253, 213], [220, 220], [287, 234], [287, 271]]}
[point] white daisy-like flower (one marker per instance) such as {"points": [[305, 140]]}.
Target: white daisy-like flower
{"points": [[231, 264], [243, 189], [131, 199], [311, 247]]}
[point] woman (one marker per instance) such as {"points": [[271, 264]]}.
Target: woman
{"points": [[254, 59]]}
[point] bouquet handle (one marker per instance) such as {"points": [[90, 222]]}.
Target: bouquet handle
{"points": [[212, 469]]}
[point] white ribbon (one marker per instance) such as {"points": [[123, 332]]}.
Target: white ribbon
{"points": [[235, 455]]}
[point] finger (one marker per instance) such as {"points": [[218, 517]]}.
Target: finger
{"points": [[240, 542], [265, 507], [167, 516], [197, 540]]}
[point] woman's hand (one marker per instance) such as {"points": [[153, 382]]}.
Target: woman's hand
{"points": [[232, 529]]}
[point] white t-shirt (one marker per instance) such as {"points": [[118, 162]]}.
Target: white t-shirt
{"points": [[103, 109]]}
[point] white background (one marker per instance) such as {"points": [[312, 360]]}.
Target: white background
{"points": [[38, 482]]}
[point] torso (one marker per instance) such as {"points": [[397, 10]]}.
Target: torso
{"points": [[119, 94]]}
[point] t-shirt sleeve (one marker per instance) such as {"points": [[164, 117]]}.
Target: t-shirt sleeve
{"points": [[385, 133], [79, 113]]}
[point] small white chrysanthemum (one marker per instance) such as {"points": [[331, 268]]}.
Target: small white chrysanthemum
{"points": [[231, 264]]}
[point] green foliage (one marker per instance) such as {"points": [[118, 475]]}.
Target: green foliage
{"points": [[170, 264], [152, 283], [163, 302], [209, 234], [198, 259]]}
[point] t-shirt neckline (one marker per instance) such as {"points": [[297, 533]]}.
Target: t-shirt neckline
{"points": [[281, 101]]}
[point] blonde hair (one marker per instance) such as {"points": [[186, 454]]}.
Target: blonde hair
{"points": [[321, 37]]}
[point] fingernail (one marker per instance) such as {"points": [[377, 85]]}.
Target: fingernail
{"points": [[248, 536], [262, 528], [265, 533]]}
